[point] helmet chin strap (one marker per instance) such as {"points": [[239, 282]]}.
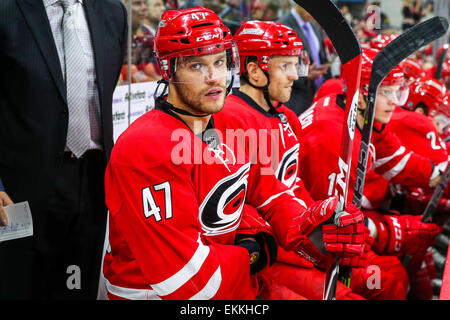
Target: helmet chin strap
{"points": [[178, 110], [264, 88]]}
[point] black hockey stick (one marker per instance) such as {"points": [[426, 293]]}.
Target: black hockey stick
{"points": [[439, 64], [390, 56], [385, 61], [430, 209], [348, 49]]}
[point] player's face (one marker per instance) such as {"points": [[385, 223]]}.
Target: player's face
{"points": [[385, 105], [283, 71], [200, 83]]}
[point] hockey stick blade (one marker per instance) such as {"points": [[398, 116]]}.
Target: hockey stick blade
{"points": [[385, 61], [348, 49]]}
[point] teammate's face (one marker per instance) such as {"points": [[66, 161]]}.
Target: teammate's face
{"points": [[384, 105], [283, 71], [200, 83]]}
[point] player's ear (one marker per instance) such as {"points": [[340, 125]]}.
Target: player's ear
{"points": [[255, 74]]}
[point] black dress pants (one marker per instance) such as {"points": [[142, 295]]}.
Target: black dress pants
{"points": [[62, 259]]}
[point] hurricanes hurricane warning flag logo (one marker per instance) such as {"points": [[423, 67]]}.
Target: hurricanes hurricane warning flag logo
{"points": [[220, 211]]}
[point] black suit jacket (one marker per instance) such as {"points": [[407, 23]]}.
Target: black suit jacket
{"points": [[303, 90], [33, 106]]}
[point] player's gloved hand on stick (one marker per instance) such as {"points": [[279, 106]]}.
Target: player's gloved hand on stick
{"points": [[345, 239], [404, 234]]}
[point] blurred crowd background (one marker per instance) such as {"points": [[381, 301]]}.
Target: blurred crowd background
{"points": [[369, 19]]}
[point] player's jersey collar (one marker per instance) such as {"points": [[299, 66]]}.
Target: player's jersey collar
{"points": [[247, 99]]}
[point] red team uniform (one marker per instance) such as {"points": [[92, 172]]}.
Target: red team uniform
{"points": [[176, 200], [180, 203], [290, 272], [145, 224]]}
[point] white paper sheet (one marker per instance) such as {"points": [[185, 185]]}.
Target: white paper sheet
{"points": [[20, 222]]}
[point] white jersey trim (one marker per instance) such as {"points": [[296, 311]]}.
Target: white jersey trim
{"points": [[131, 294], [382, 161], [274, 197], [211, 287], [190, 269], [397, 169]]}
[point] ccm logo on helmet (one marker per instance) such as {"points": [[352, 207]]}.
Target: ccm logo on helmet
{"points": [[208, 37]]}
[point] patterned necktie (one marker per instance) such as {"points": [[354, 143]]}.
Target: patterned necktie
{"points": [[314, 50], [78, 133]]}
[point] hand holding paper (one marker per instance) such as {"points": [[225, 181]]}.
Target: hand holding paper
{"points": [[20, 222], [5, 200]]}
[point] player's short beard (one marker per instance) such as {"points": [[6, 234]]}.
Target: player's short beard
{"points": [[194, 102]]}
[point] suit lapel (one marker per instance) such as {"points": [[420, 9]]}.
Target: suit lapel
{"points": [[36, 17], [96, 27]]}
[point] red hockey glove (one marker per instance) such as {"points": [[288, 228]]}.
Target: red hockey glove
{"points": [[262, 247], [417, 200], [346, 238], [421, 270], [404, 234]]}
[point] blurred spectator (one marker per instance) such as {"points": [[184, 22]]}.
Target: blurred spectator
{"points": [[346, 13], [413, 12], [138, 13], [143, 65], [257, 9], [271, 12], [154, 12], [304, 89]]}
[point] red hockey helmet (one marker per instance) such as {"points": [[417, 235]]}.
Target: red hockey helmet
{"points": [[381, 41], [446, 73], [394, 78], [411, 69], [264, 39], [192, 32], [430, 94]]}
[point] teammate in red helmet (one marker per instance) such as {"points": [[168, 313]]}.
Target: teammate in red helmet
{"points": [[321, 131], [421, 132], [176, 183], [271, 60], [411, 69], [380, 41]]}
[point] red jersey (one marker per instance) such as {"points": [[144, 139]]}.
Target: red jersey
{"points": [[175, 201], [418, 133], [321, 137], [282, 144]]}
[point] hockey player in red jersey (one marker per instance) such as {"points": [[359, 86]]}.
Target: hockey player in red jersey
{"points": [[321, 127], [176, 190], [271, 59], [419, 126]]}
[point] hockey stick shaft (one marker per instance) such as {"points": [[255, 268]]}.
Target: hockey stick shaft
{"points": [[348, 48], [390, 56]]}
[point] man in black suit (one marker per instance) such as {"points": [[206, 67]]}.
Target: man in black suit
{"points": [[304, 89], [60, 62]]}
